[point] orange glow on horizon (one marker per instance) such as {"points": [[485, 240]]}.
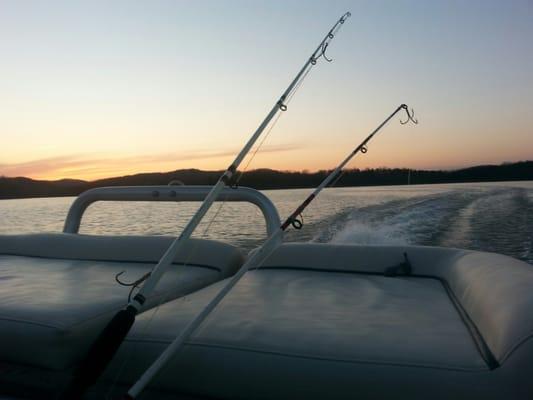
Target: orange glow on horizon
{"points": [[288, 158], [86, 100]]}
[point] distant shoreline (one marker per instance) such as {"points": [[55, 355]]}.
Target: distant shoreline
{"points": [[295, 188], [267, 179]]}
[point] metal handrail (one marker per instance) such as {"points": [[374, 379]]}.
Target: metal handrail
{"points": [[168, 193]]}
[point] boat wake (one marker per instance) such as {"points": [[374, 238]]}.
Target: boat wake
{"points": [[496, 219]]}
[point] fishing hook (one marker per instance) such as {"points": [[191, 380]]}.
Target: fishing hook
{"points": [[134, 285], [324, 47], [331, 34], [410, 115], [323, 51]]}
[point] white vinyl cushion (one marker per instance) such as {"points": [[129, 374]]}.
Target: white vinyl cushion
{"points": [[51, 309], [336, 316], [495, 291], [318, 322]]}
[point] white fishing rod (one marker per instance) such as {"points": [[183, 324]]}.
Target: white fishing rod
{"points": [[107, 343], [255, 260]]}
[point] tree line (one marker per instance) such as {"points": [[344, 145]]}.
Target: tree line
{"points": [[272, 179]]}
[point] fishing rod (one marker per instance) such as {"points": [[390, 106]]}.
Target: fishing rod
{"points": [[109, 340], [256, 259]]}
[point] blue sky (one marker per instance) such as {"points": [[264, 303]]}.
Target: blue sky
{"points": [[94, 89]]}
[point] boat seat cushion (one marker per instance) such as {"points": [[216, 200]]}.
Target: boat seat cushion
{"points": [[305, 327], [495, 291], [57, 291]]}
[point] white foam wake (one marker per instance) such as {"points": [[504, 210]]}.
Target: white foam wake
{"points": [[359, 233]]}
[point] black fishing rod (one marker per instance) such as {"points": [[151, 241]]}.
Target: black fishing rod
{"points": [[109, 340], [255, 260]]}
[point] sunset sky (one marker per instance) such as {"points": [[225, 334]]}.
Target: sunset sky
{"points": [[97, 88]]}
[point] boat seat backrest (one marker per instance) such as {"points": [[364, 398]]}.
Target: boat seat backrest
{"points": [[146, 249], [497, 293]]}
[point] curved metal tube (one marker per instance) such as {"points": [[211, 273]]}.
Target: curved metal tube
{"points": [[168, 193]]}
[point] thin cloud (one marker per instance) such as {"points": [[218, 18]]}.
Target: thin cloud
{"points": [[44, 165], [99, 165]]}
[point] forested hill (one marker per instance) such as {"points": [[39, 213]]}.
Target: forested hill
{"points": [[271, 179]]}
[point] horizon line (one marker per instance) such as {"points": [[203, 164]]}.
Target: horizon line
{"points": [[302, 171]]}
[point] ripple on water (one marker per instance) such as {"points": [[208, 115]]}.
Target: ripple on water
{"points": [[490, 217]]}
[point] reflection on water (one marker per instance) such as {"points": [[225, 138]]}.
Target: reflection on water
{"points": [[492, 217]]}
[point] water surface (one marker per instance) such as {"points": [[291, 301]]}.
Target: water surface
{"points": [[488, 216]]}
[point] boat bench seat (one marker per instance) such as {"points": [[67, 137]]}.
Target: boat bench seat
{"points": [[322, 321], [57, 291]]}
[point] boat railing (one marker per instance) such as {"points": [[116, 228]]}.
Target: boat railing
{"points": [[169, 193]]}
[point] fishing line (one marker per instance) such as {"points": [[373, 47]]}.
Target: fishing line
{"points": [[153, 312], [289, 98], [295, 89], [204, 235], [135, 284], [297, 224], [110, 338], [258, 147], [241, 173], [256, 258], [298, 85]]}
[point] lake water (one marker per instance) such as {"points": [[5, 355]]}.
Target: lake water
{"points": [[488, 216]]}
